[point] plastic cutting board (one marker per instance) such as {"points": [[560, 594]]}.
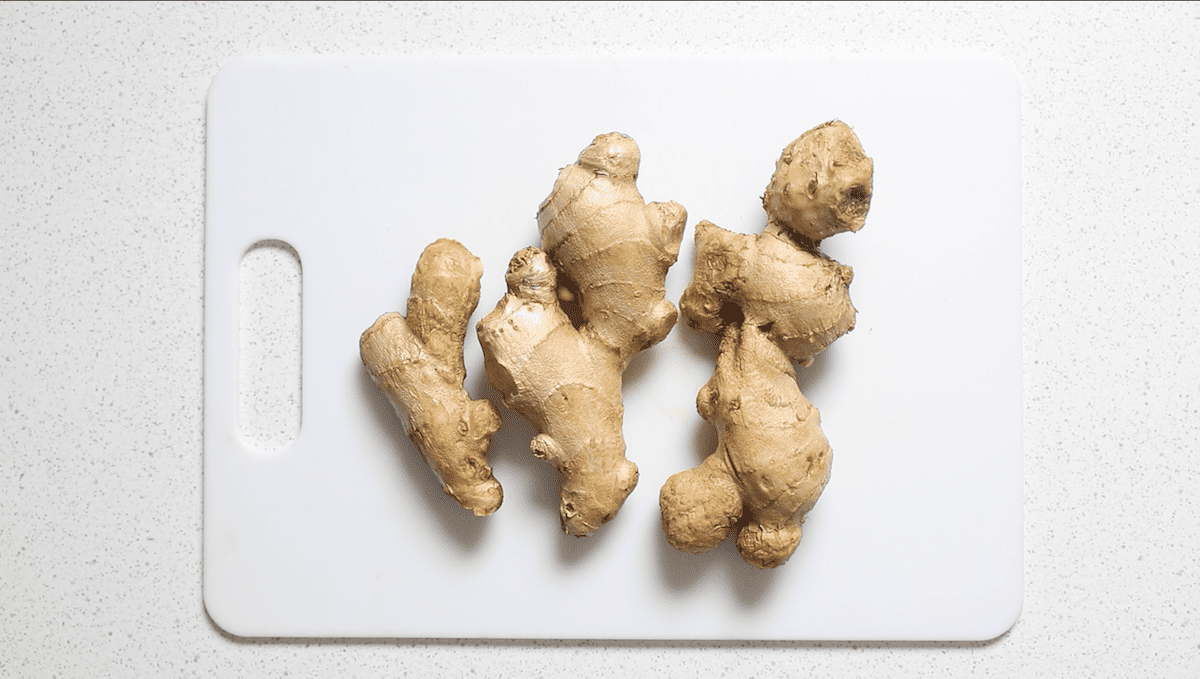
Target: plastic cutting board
{"points": [[358, 163]]}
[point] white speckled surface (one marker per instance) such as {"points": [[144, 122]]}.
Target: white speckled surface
{"points": [[101, 216]]}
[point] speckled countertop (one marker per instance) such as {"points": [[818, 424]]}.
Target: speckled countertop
{"points": [[102, 220]]}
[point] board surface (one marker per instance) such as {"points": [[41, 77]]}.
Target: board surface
{"points": [[358, 163]]}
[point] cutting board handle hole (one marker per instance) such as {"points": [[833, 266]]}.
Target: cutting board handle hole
{"points": [[270, 304]]}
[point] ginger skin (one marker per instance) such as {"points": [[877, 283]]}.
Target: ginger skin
{"points": [[417, 362], [612, 245], [799, 297], [779, 279], [822, 184], [771, 456], [614, 249], [772, 298], [567, 384]]}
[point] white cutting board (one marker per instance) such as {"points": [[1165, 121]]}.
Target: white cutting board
{"points": [[358, 163]]}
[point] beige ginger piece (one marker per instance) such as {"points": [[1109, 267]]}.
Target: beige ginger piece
{"points": [[822, 183], [613, 247], [417, 362], [799, 297], [779, 279], [771, 297], [771, 457], [568, 385], [603, 243]]}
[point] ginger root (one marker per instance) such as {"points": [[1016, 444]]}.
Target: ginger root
{"points": [[771, 456], [567, 384], [799, 297], [417, 362], [603, 243], [612, 246], [779, 279], [772, 298]]}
